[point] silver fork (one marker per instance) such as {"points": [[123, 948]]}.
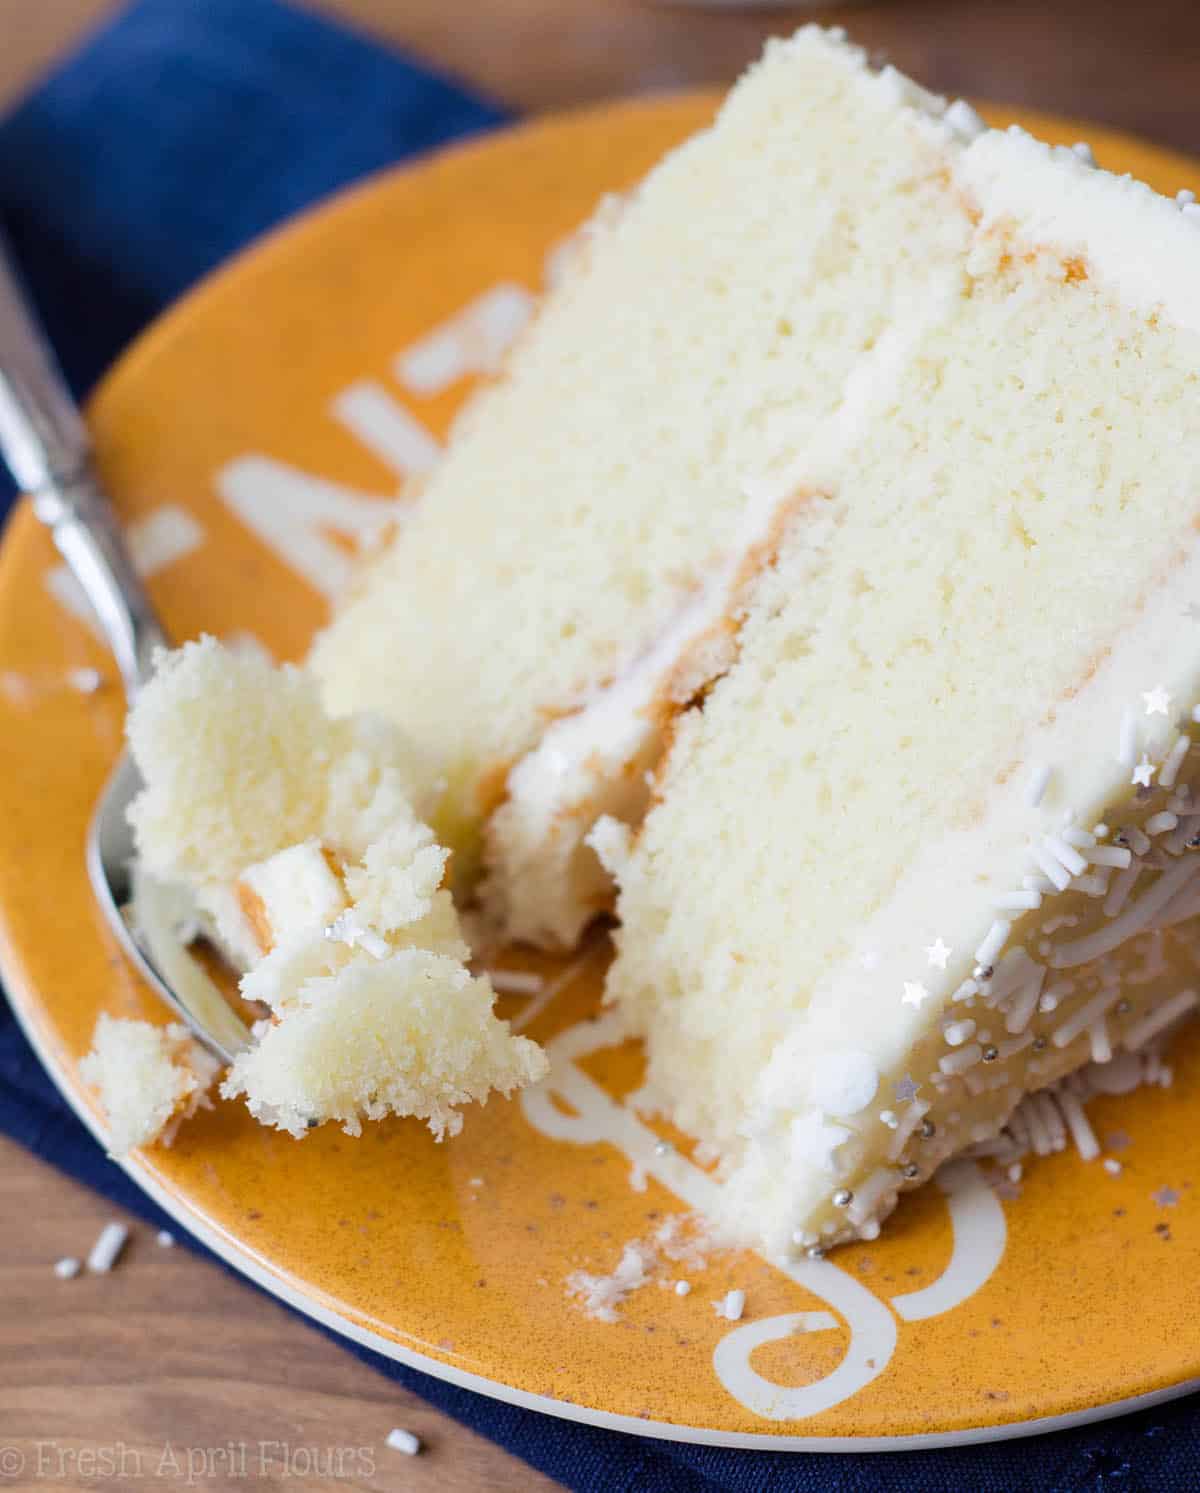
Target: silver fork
{"points": [[45, 445]]}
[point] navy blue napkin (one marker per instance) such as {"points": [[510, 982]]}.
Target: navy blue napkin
{"points": [[179, 132]]}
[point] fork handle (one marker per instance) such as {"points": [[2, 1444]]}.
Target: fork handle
{"points": [[45, 445]]}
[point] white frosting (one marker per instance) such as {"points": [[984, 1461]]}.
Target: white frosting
{"points": [[593, 762], [951, 888], [1147, 249]]}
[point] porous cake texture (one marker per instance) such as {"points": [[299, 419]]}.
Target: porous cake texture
{"points": [[576, 555], [824, 568], [296, 836], [148, 1079], [930, 842]]}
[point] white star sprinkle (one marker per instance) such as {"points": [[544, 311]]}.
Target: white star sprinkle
{"points": [[1166, 1197], [915, 994], [1158, 702], [906, 1090], [938, 952], [1144, 772]]}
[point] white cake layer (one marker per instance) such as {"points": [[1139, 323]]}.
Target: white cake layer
{"points": [[1001, 590], [592, 495], [346, 933], [240, 759], [148, 1079]]}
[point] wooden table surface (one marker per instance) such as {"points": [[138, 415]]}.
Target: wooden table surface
{"points": [[167, 1351]]}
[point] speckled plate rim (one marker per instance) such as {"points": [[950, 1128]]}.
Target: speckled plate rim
{"points": [[25, 1000], [255, 1271]]}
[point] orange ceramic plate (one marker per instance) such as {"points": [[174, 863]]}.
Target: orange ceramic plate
{"points": [[249, 437]]}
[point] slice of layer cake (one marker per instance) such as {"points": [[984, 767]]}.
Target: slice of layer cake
{"points": [[827, 561], [577, 556], [296, 836], [931, 840]]}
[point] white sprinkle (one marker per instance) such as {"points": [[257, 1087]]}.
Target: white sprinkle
{"points": [[1084, 151], [1100, 831], [1138, 839], [1118, 893], [1127, 741], [683, 1288], [958, 1032], [1018, 1126], [1141, 915], [165, 1239], [907, 1128], [1058, 874], [961, 1060], [1184, 196], [86, 681], [1038, 783], [996, 938], [1093, 886], [870, 1194], [1091, 1011], [1013, 972], [107, 1248], [1170, 768], [1039, 1136], [1101, 1046], [731, 1306], [1067, 854], [1110, 855], [1112, 1166], [1158, 1020], [1158, 702], [67, 1269], [1015, 1172], [1024, 1004], [1052, 1116], [1080, 1127], [1049, 1002], [516, 982], [1081, 838], [889, 1118], [474, 1181], [1019, 902], [1010, 1049], [404, 1441], [1158, 824]]}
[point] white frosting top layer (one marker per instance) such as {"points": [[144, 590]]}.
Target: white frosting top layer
{"points": [[1143, 244]]}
